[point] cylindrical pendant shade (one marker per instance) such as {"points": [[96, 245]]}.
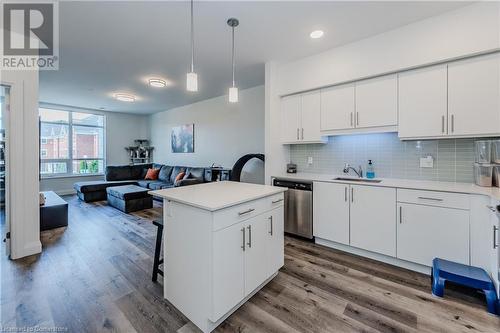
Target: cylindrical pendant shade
{"points": [[233, 94], [192, 81]]}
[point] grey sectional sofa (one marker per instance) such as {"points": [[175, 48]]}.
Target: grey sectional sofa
{"points": [[134, 175]]}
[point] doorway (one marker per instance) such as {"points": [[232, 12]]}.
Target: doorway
{"points": [[4, 197]]}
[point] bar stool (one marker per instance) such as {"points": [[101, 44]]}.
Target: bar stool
{"points": [[157, 261]]}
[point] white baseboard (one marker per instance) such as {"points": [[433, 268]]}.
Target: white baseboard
{"points": [[375, 256]]}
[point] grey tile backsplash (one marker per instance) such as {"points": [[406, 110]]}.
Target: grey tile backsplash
{"points": [[392, 158]]}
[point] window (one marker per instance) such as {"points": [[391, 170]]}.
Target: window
{"points": [[71, 143]]}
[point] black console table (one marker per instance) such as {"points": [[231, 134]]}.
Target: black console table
{"points": [[54, 213]]}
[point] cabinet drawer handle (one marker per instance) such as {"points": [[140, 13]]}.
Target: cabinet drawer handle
{"points": [[271, 221], [276, 201], [249, 236], [452, 123], [243, 244], [495, 230], [400, 214], [352, 194], [442, 124], [297, 133], [345, 194], [431, 199], [357, 118], [352, 123], [246, 211], [302, 133]]}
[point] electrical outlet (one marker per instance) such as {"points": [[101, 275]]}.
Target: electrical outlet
{"points": [[310, 160], [427, 162]]}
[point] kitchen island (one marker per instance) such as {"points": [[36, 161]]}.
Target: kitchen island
{"points": [[223, 242]]}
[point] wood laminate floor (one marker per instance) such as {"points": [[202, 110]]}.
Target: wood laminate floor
{"points": [[94, 276]]}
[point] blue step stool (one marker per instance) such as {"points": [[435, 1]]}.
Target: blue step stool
{"points": [[474, 277]]}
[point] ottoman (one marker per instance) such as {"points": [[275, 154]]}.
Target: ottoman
{"points": [[129, 198], [54, 213]]}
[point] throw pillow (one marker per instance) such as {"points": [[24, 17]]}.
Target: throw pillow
{"points": [[180, 176], [152, 174]]}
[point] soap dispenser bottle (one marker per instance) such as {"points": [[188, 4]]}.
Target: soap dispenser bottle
{"points": [[370, 170]]}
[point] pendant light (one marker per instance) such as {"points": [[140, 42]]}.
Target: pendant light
{"points": [[233, 91], [192, 77]]}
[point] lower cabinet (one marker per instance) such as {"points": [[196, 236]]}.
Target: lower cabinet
{"points": [[373, 219], [245, 255], [331, 212], [426, 232]]}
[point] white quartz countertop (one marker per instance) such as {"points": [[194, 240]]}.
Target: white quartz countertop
{"points": [[217, 195], [467, 188]]}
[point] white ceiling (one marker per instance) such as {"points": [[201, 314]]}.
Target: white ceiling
{"points": [[108, 47]]}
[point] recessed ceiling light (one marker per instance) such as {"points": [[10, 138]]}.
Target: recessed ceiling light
{"points": [[157, 83], [125, 97], [317, 34]]}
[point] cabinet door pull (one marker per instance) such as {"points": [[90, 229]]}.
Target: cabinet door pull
{"points": [[352, 194], [243, 244], [276, 201], [357, 118], [297, 133], [271, 222], [431, 199], [452, 123], [246, 211], [400, 214], [249, 236], [495, 231], [345, 194], [442, 124], [352, 123], [302, 133]]}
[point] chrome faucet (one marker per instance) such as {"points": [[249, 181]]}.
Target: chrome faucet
{"points": [[358, 172]]}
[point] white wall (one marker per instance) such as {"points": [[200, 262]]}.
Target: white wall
{"points": [[121, 131], [22, 162], [223, 131], [466, 31]]}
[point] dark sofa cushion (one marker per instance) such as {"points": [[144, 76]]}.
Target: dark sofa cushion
{"points": [[99, 185], [175, 171], [139, 171], [145, 183], [121, 172], [128, 192], [157, 185], [165, 172]]}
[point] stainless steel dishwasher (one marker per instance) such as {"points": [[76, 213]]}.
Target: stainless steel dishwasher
{"points": [[298, 207]]}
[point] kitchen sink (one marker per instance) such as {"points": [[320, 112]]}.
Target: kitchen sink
{"points": [[366, 180]]}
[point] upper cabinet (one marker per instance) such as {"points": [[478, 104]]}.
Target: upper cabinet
{"points": [[300, 118], [377, 102], [474, 96], [367, 106], [460, 99], [422, 103], [337, 108]]}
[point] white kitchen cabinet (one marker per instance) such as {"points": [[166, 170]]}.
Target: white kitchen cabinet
{"points": [[494, 243], [229, 268], [423, 103], [331, 212], [275, 240], [301, 118], [426, 232], [290, 113], [255, 253], [474, 96], [338, 108], [377, 102], [373, 219]]}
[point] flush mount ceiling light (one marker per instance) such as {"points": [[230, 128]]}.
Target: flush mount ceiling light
{"points": [[157, 83], [192, 77], [125, 97], [317, 34], [233, 91]]}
